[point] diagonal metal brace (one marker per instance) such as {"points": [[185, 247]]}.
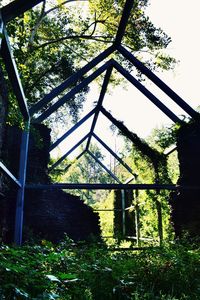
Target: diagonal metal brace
{"points": [[155, 79], [69, 152], [74, 91], [72, 129], [147, 93], [71, 80], [13, 74], [114, 154], [103, 166], [99, 104]]}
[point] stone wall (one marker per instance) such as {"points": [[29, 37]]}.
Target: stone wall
{"points": [[186, 203], [48, 214]]}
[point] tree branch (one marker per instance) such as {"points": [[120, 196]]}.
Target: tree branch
{"points": [[87, 37], [39, 21], [43, 14], [61, 4]]}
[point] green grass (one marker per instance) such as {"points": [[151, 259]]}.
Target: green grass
{"points": [[70, 271]]}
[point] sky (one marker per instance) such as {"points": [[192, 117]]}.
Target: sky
{"points": [[182, 23], [180, 20]]}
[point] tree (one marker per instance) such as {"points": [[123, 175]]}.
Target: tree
{"points": [[53, 40], [84, 170]]}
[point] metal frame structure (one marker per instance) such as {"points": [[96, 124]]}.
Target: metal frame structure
{"points": [[18, 7]]}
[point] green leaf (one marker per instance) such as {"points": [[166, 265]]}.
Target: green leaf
{"points": [[64, 276]]}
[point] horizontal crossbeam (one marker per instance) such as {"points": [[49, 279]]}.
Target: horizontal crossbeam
{"points": [[111, 186]]}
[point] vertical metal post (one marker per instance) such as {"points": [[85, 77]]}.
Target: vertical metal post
{"points": [[1, 29], [160, 227], [137, 219], [22, 179], [123, 213]]}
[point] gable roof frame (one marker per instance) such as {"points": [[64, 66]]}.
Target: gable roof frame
{"points": [[17, 8]]}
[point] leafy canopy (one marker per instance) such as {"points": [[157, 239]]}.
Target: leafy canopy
{"points": [[56, 38]]}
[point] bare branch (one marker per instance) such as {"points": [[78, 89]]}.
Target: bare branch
{"points": [[61, 4], [86, 37], [43, 14]]}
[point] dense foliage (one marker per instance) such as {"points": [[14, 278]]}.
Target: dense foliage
{"points": [[56, 38], [70, 271]]}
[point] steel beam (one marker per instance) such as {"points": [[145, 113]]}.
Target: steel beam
{"points": [[155, 79], [22, 179], [69, 152], [113, 154], [146, 92], [123, 22], [99, 104], [16, 8], [75, 160], [131, 179], [78, 124], [9, 174], [103, 166], [122, 128], [71, 80], [101, 186], [14, 76], [1, 29], [169, 151], [74, 91]]}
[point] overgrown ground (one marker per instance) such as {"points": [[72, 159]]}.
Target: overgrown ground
{"points": [[71, 271]]}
